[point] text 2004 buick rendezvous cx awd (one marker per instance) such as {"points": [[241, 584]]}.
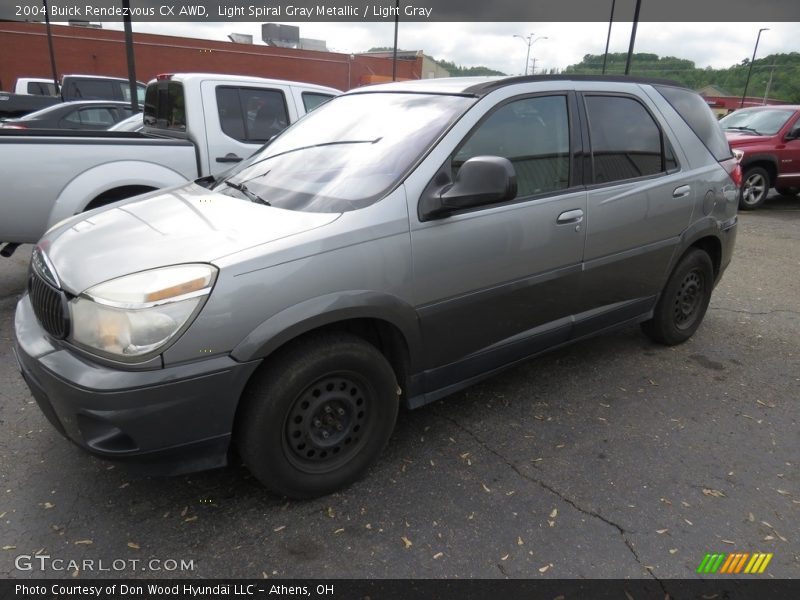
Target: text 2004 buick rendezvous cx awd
{"points": [[395, 245]]}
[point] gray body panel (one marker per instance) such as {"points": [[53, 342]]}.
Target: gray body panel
{"points": [[469, 293]]}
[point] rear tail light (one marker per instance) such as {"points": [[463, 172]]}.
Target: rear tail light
{"points": [[9, 126], [164, 76], [734, 168]]}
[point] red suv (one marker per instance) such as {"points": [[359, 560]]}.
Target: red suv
{"points": [[769, 139]]}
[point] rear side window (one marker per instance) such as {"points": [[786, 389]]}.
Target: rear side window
{"points": [[698, 116], [312, 100], [97, 117], [95, 90], [164, 106], [39, 88], [625, 140], [251, 114], [533, 133]]}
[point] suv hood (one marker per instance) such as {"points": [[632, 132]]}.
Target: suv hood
{"points": [[181, 225]]}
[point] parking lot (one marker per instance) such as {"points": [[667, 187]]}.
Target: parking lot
{"points": [[612, 458]]}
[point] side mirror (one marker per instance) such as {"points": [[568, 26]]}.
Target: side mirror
{"points": [[481, 180]]}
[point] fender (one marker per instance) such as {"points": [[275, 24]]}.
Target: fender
{"points": [[84, 188], [325, 310], [705, 227], [749, 159]]}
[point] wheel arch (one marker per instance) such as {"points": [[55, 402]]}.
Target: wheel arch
{"points": [[766, 161]]}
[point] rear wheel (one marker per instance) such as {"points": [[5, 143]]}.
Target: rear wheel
{"points": [[684, 301], [317, 416], [755, 188]]}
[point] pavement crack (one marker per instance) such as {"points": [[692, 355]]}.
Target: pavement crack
{"points": [[544, 485], [756, 313]]}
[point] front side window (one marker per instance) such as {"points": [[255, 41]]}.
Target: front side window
{"points": [[347, 154], [250, 114], [533, 133], [625, 140]]}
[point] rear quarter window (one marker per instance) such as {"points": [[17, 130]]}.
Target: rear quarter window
{"points": [[165, 106], [698, 116]]}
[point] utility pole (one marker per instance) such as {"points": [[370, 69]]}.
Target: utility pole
{"points": [[126, 18], [633, 36], [50, 46], [608, 38], [533, 66], [769, 83], [750, 71]]}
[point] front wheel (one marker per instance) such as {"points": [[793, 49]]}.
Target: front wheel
{"points": [[754, 188], [318, 415], [684, 300]]}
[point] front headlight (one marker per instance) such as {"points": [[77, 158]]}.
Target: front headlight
{"points": [[136, 315]]}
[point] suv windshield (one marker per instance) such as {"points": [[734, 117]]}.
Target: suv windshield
{"points": [[346, 154], [756, 121]]}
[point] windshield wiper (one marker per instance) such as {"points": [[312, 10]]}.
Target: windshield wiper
{"points": [[743, 128], [323, 144], [240, 187]]}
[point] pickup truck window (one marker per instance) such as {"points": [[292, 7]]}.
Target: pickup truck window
{"points": [[312, 100], [251, 114], [165, 106], [348, 153], [758, 121], [38, 88]]}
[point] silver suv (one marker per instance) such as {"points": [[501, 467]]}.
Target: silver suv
{"points": [[394, 246]]}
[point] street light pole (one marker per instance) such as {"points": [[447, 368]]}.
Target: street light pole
{"points": [[528, 40], [608, 38], [750, 71]]}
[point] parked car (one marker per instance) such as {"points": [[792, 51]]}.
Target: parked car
{"points": [[134, 123], [84, 115], [196, 125], [768, 138], [73, 87], [396, 245]]}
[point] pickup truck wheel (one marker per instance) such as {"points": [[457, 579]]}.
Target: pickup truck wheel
{"points": [[318, 415], [787, 191], [684, 300], [754, 189]]}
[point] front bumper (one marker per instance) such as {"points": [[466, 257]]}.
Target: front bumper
{"points": [[172, 420]]}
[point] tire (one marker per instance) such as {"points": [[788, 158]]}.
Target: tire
{"points": [[755, 187], [788, 191], [684, 300], [316, 417]]}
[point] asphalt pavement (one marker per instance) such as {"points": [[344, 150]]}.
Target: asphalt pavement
{"points": [[614, 457]]}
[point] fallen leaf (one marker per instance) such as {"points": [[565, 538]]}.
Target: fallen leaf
{"points": [[714, 493], [49, 505], [688, 521], [9, 547], [280, 528], [133, 545], [519, 541], [190, 519], [184, 511], [340, 530], [769, 538], [783, 492], [330, 512], [750, 517], [554, 513], [438, 555], [3, 514], [673, 550], [504, 557], [124, 485], [84, 542], [511, 493], [406, 542], [551, 523], [545, 568], [665, 501], [661, 531], [652, 382], [486, 489], [731, 542]]}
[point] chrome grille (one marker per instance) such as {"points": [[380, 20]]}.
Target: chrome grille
{"points": [[49, 305]]}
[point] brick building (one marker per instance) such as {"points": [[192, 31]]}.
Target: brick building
{"points": [[23, 53]]}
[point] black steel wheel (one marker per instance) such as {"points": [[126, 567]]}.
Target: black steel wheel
{"points": [[316, 416], [683, 302]]}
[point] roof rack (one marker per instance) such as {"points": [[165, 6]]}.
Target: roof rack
{"points": [[488, 86]]}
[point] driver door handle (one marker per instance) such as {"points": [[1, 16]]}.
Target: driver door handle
{"points": [[570, 216], [681, 192], [229, 158]]}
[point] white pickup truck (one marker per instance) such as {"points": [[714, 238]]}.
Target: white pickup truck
{"points": [[196, 125]]}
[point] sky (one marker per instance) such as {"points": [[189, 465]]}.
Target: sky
{"points": [[493, 44]]}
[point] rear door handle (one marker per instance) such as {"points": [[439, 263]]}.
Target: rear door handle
{"points": [[229, 158], [681, 192], [570, 216]]}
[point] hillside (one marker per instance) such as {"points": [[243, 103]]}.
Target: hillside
{"points": [[785, 72]]}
